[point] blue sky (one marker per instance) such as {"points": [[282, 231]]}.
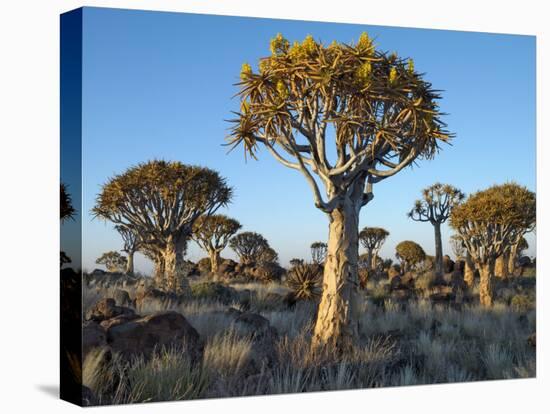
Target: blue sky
{"points": [[160, 85]]}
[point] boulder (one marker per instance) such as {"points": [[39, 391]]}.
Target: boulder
{"points": [[122, 298], [93, 336], [145, 335], [107, 309], [155, 300], [263, 339], [394, 271], [215, 291]]}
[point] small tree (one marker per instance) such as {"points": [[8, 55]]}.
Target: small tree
{"points": [[372, 239], [212, 233], [377, 112], [113, 261], [460, 252], [435, 207], [491, 221], [457, 246], [131, 246], [318, 252], [67, 211], [296, 262], [248, 246], [160, 201], [409, 254], [268, 256]]}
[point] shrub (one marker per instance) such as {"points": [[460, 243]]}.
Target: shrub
{"points": [[522, 302], [204, 265], [304, 280]]}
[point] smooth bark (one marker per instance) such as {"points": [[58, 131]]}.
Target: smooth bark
{"points": [[501, 266], [336, 327], [512, 259], [214, 260], [469, 271], [486, 271], [438, 251], [130, 263]]}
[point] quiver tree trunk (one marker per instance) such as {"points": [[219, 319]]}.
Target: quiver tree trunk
{"points": [[486, 271], [370, 264], [130, 263], [214, 260], [501, 266], [438, 252], [469, 271], [175, 279], [512, 256], [336, 328]]}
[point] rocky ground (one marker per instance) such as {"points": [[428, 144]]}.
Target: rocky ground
{"points": [[236, 335]]}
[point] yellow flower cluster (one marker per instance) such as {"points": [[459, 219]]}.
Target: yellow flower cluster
{"points": [[306, 48], [246, 71], [362, 74], [365, 42], [410, 66], [282, 89], [279, 45], [393, 75]]}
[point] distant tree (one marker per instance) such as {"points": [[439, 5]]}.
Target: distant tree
{"points": [[377, 112], [372, 239], [67, 211], [268, 255], [113, 261], [248, 246], [131, 246], [318, 252], [516, 251], [212, 234], [409, 254], [490, 222], [460, 252], [64, 258], [457, 246], [66, 204], [296, 262], [435, 207], [160, 201]]}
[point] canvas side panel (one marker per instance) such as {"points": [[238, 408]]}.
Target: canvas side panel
{"points": [[71, 226]]}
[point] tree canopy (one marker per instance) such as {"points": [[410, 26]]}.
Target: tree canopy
{"points": [[436, 203], [410, 253], [248, 246], [492, 220], [381, 113], [67, 211], [318, 252], [113, 261], [212, 233], [372, 238]]}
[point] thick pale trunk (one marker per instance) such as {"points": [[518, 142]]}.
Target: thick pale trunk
{"points": [[438, 251], [370, 264], [130, 264], [158, 275], [512, 259], [214, 261], [469, 271], [175, 280], [486, 271], [336, 327], [501, 266]]}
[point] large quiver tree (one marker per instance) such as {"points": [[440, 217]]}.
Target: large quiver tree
{"points": [[491, 221], [212, 234], [378, 114], [435, 207], [372, 239], [160, 201]]}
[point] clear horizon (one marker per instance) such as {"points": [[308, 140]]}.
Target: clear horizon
{"points": [[160, 85]]}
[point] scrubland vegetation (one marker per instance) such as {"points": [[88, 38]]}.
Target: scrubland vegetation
{"points": [[344, 318]]}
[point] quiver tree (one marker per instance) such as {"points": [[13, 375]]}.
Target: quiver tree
{"points": [[372, 239], [212, 234], [268, 255], [435, 207], [160, 201], [131, 246], [515, 253], [489, 222], [318, 252], [113, 261], [248, 246], [376, 112], [409, 254], [460, 252]]}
